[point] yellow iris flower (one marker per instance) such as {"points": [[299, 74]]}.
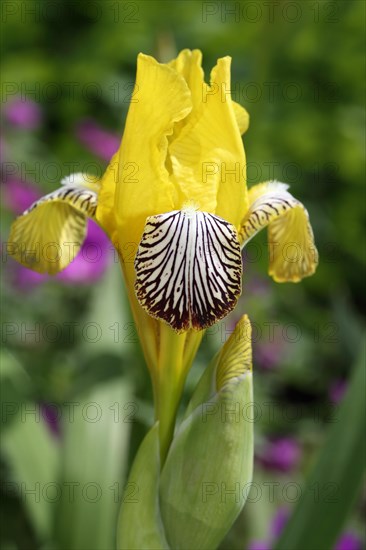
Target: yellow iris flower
{"points": [[175, 195]]}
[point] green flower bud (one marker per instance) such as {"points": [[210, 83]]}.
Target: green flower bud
{"points": [[205, 480]]}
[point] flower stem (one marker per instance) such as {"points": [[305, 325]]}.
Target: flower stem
{"points": [[172, 376]]}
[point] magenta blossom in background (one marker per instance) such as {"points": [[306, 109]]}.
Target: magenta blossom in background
{"points": [[257, 285], [26, 279], [268, 353], [23, 113], [51, 417], [282, 454], [279, 521], [97, 140], [347, 541], [259, 545], [337, 390], [19, 195], [276, 527]]}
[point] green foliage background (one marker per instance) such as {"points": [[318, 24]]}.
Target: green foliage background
{"points": [[297, 68]]}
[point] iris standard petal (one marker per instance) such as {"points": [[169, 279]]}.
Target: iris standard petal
{"points": [[293, 254], [242, 117], [160, 99], [105, 213], [207, 156], [188, 64]]}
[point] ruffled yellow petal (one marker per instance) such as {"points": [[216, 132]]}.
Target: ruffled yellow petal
{"points": [[105, 213], [207, 156], [143, 188], [48, 236], [293, 254], [189, 65], [242, 117]]}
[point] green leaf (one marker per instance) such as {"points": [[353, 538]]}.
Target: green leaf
{"points": [[33, 454], [140, 523], [94, 462], [109, 313], [15, 387], [335, 481]]}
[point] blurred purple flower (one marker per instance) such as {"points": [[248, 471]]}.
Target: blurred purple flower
{"points": [[276, 527], [259, 545], [282, 454], [268, 353], [257, 285], [23, 113], [97, 140], [18, 195], [26, 279], [51, 418], [348, 541], [279, 521], [337, 390]]}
